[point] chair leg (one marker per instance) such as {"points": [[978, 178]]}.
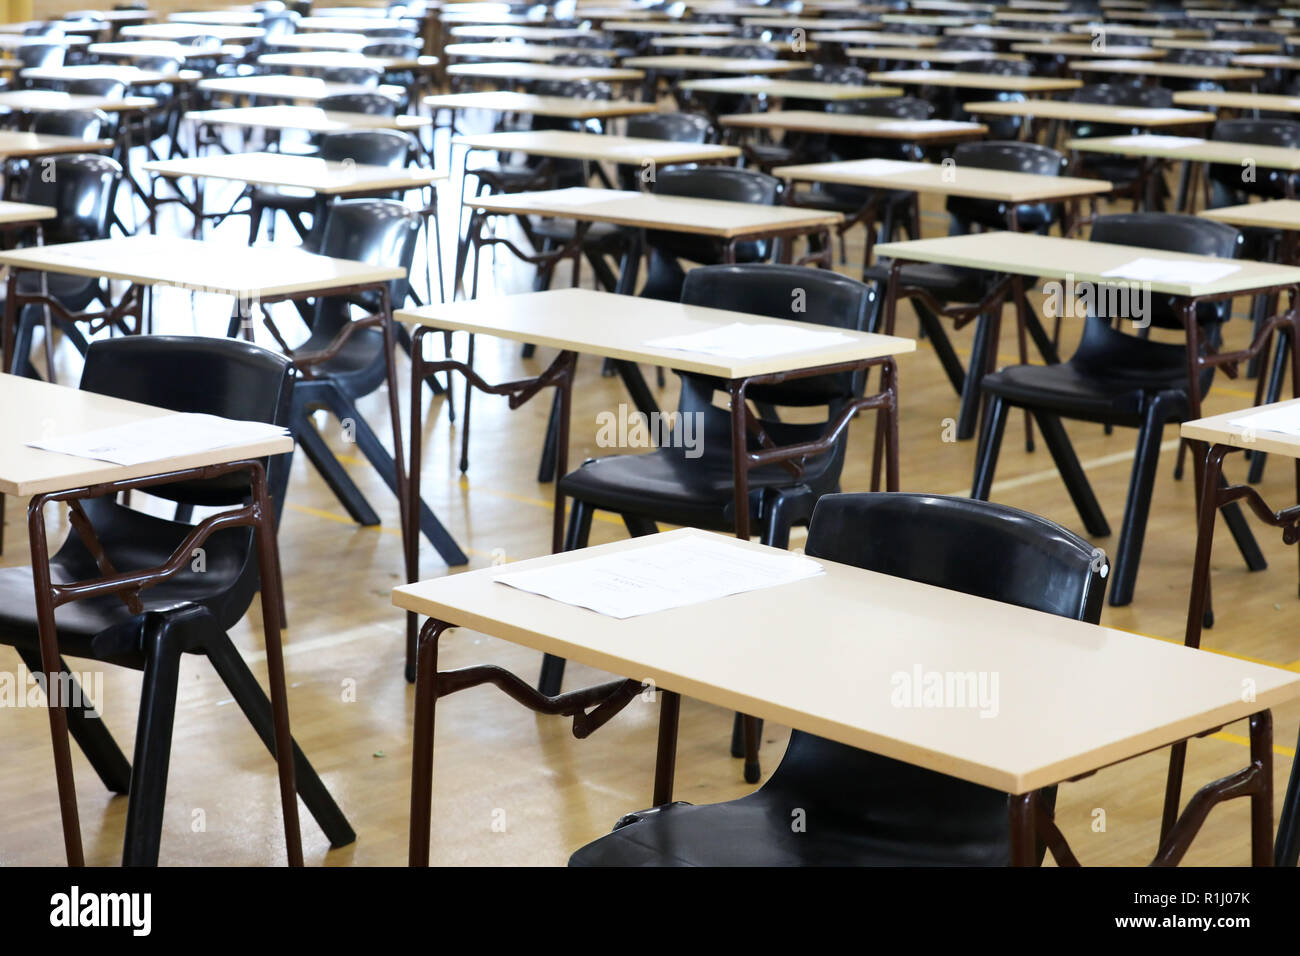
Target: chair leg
{"points": [[1076, 482], [990, 444], [323, 460], [933, 328], [639, 527], [575, 538], [254, 222], [1138, 507], [89, 732], [252, 700], [153, 745], [968, 415]]}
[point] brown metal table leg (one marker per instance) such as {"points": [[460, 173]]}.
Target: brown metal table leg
{"points": [[1021, 821], [670, 704], [426, 701]]}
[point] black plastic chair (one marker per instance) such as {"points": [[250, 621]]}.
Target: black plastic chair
{"points": [[678, 486], [1127, 175], [79, 124], [368, 147], [664, 273], [1118, 379], [949, 284], [872, 810], [40, 55], [189, 613], [83, 188], [379, 232], [371, 103]]}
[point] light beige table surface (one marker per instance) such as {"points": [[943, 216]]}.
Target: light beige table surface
{"points": [[344, 60], [824, 24], [351, 24], [311, 119], [52, 101], [528, 52], [145, 49], [218, 268], [186, 31], [518, 72], [827, 654], [53, 411], [1184, 71], [300, 172], [286, 87], [563, 144], [1190, 149], [14, 212], [949, 57], [975, 81], [1269, 214], [225, 18], [709, 217], [1217, 46], [1052, 257], [870, 38], [656, 26], [1090, 112], [505, 101], [340, 42], [1219, 430], [713, 64], [937, 179], [1272, 102], [14, 143], [130, 75], [783, 45], [848, 124], [1134, 30], [618, 327], [499, 32], [1008, 34], [796, 89], [1267, 61], [1083, 48]]}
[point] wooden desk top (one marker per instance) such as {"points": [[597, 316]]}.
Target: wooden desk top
{"points": [[1117, 50], [15, 144], [795, 89], [848, 124], [1091, 112], [188, 31], [130, 75], [342, 59], [926, 56], [51, 101], [976, 81], [596, 147], [1184, 71], [1239, 101], [527, 72], [218, 268], [286, 87], [1071, 697], [1008, 34], [1218, 430], [827, 24], [1190, 149], [16, 212], [1134, 30], [300, 172], [706, 217], [870, 38], [1269, 214], [10, 42], [534, 52], [340, 42], [57, 410], [143, 49], [1052, 257], [498, 32], [310, 119], [504, 101], [656, 26], [349, 24], [224, 18], [1218, 46], [713, 64], [1267, 61], [597, 323], [937, 179], [673, 42]]}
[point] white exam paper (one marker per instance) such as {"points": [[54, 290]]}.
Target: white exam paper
{"points": [[156, 439], [1152, 269], [742, 340], [689, 570], [1285, 420], [1157, 142]]}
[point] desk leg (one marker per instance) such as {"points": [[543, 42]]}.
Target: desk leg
{"points": [[11, 322], [426, 701], [55, 703], [670, 704], [1021, 814]]}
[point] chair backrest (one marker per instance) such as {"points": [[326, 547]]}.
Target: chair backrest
{"points": [[1010, 156], [705, 182], [374, 104], [375, 231], [97, 86], [355, 75], [82, 187], [81, 124], [1230, 183], [42, 55], [1173, 232], [866, 147], [677, 127], [206, 375], [976, 547], [368, 147]]}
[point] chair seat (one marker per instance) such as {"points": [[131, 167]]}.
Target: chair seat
{"points": [[562, 230], [948, 283], [773, 154], [75, 292], [287, 198], [845, 202], [1067, 388], [357, 368], [507, 177], [666, 485]]}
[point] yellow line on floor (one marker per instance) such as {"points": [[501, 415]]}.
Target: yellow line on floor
{"points": [[1245, 742], [1034, 477]]}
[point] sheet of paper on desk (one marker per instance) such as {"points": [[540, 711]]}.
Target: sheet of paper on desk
{"points": [[743, 340], [690, 570], [1151, 269], [1158, 142], [1155, 113], [1285, 420], [925, 126], [157, 439]]}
